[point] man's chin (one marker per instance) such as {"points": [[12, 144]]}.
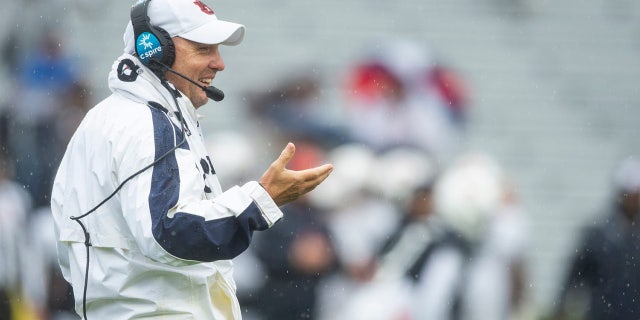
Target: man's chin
{"points": [[199, 101]]}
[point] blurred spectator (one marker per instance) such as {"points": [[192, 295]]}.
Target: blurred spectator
{"points": [[399, 261], [469, 273], [400, 95], [48, 76], [414, 237], [355, 205], [405, 168], [603, 281], [496, 288], [15, 204], [44, 284], [296, 108], [366, 193], [296, 255], [456, 254], [76, 102]]}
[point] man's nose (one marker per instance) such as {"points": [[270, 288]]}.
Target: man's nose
{"points": [[216, 63]]}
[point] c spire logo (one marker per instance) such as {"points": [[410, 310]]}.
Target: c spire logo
{"points": [[144, 41], [204, 7], [148, 47]]}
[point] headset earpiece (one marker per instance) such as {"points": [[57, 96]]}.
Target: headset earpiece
{"points": [[169, 50], [151, 43]]}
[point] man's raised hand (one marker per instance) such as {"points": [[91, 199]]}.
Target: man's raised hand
{"points": [[284, 185]]}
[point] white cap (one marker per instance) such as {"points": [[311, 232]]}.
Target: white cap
{"points": [[353, 164], [469, 193], [191, 20], [406, 169], [627, 175]]}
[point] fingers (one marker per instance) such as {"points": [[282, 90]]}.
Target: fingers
{"points": [[315, 176], [285, 156], [322, 172]]}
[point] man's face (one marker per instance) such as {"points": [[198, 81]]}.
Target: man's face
{"points": [[198, 62], [630, 202]]}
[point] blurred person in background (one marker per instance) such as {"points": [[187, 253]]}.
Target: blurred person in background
{"points": [[396, 262], [46, 77], [50, 101], [296, 254], [295, 107], [457, 254], [359, 220], [603, 280], [413, 237], [76, 102], [163, 246], [372, 205], [44, 285], [474, 270], [399, 94], [497, 288], [15, 205]]}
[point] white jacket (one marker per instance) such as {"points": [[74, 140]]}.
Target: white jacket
{"points": [[161, 248]]}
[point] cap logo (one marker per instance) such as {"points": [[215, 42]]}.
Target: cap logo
{"points": [[203, 7], [148, 47]]}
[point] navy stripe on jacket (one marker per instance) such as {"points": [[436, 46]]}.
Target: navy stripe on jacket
{"points": [[188, 236]]}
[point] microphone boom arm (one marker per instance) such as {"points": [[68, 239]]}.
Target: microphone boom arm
{"points": [[212, 92]]}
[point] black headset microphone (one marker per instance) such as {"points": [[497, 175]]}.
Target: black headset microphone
{"points": [[212, 92]]}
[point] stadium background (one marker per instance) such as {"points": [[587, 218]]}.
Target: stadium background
{"points": [[554, 84]]}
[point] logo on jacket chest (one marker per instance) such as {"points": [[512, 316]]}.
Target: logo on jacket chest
{"points": [[127, 70], [207, 172]]}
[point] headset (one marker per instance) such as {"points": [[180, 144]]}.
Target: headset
{"points": [[155, 49], [152, 44], [162, 52]]}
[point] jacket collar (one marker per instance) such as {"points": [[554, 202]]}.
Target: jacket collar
{"points": [[134, 81]]}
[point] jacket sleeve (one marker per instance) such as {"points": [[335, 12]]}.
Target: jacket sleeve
{"points": [[168, 209]]}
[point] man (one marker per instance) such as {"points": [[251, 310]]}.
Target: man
{"points": [[152, 219], [605, 266]]}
